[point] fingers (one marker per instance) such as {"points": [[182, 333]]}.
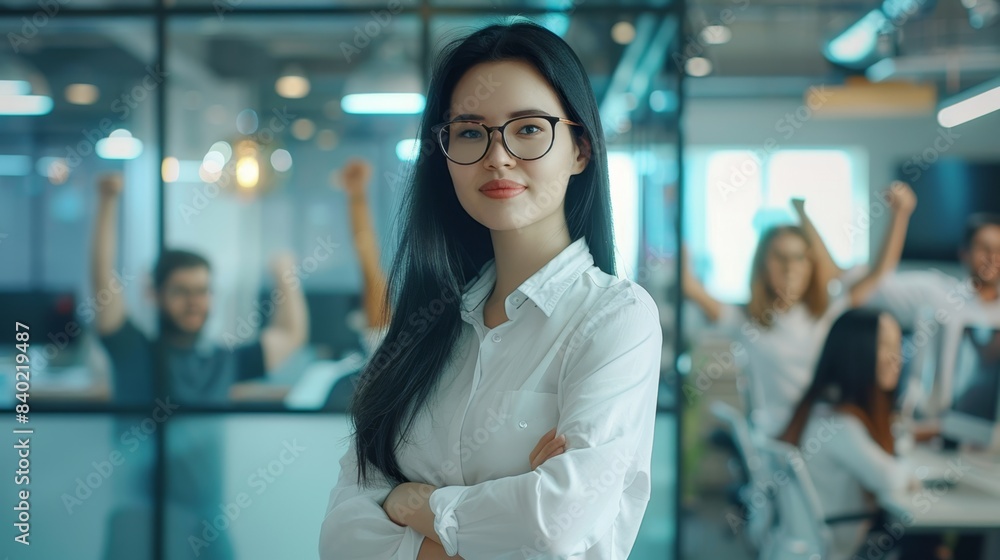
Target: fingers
{"points": [[541, 443], [554, 447]]}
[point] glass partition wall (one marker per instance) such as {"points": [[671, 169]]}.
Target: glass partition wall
{"points": [[228, 125]]}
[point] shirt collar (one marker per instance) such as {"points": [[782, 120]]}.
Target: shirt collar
{"points": [[544, 287]]}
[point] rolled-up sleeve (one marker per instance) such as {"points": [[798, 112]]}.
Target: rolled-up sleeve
{"points": [[607, 398], [356, 527]]}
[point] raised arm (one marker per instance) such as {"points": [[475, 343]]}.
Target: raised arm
{"points": [[289, 328], [902, 201], [355, 177], [695, 290], [104, 250], [825, 265]]}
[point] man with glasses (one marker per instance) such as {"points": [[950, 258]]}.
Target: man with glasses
{"points": [[195, 370], [922, 298]]}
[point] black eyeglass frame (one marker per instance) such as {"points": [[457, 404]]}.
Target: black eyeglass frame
{"points": [[553, 120]]}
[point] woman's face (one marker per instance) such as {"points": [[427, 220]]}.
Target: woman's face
{"points": [[889, 353], [788, 266], [493, 93]]}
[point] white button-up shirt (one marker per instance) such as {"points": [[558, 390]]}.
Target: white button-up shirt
{"points": [[781, 359], [580, 352]]}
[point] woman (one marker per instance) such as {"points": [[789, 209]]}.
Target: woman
{"points": [[509, 327], [783, 327], [843, 424]]}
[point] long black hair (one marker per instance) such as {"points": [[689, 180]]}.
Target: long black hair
{"points": [[442, 248], [847, 377]]}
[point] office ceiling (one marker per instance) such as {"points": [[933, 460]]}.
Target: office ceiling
{"points": [[783, 40]]}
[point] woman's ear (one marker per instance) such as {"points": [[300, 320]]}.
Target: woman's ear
{"points": [[583, 153]]}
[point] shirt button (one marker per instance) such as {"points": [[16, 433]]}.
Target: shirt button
{"points": [[496, 337], [522, 424], [517, 299]]}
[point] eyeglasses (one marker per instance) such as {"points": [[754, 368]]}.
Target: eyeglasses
{"points": [[466, 142], [190, 293]]}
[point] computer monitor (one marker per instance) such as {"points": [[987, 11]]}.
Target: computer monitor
{"points": [[51, 319], [973, 385]]}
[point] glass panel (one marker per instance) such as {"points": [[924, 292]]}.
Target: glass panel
{"points": [[79, 102], [90, 488], [48, 10], [381, 7], [249, 472], [567, 5], [658, 530], [261, 131], [263, 112]]}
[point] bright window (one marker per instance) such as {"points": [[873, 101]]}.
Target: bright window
{"points": [[733, 195]]}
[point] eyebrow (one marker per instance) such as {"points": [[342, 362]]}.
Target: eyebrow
{"points": [[514, 115]]}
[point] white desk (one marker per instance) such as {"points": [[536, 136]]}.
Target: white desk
{"points": [[972, 504]]}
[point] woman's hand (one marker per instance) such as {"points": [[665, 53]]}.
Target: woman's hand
{"points": [[432, 550], [926, 430], [403, 501], [546, 448]]}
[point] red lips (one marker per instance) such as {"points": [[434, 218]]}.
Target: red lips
{"points": [[502, 188]]}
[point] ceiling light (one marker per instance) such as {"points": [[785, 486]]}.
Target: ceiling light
{"points": [[82, 94], [383, 103], [716, 35], [119, 145], [970, 105], [293, 83], [698, 66], [623, 32]]}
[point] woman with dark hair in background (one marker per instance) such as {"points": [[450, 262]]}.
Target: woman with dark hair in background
{"points": [[509, 411], [847, 410], [791, 308]]}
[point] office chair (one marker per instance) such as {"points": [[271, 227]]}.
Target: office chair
{"points": [[799, 530], [760, 511]]}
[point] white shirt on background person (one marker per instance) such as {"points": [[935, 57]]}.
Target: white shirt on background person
{"points": [[843, 463], [780, 360], [931, 303], [580, 352]]}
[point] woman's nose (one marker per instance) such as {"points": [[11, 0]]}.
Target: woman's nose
{"points": [[496, 153]]}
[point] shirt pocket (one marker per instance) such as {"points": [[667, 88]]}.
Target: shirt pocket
{"points": [[524, 417]]}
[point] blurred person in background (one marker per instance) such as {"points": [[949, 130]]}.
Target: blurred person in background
{"points": [[930, 302], [197, 370], [847, 409], [180, 367], [791, 308], [974, 298]]}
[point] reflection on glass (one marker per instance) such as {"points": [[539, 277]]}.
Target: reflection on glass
{"points": [[91, 488], [65, 123], [249, 169]]}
